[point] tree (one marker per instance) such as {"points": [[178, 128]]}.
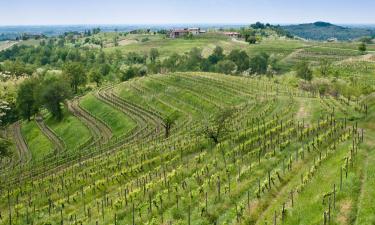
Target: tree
{"points": [[53, 93], [258, 25], [105, 69], [4, 148], [194, 60], [216, 56], [172, 62], [135, 58], [26, 99], [226, 67], [154, 54], [95, 76], [75, 73], [303, 71], [324, 67], [168, 122], [251, 39], [362, 47], [259, 63], [217, 127], [240, 58], [129, 73]]}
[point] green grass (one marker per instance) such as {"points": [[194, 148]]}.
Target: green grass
{"points": [[38, 144], [71, 130], [187, 165], [119, 123]]}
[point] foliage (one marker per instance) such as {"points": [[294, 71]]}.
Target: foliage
{"points": [[27, 101], [303, 71], [226, 67], [324, 31], [216, 127], [325, 67], [259, 63], [95, 76], [216, 56], [75, 74], [240, 58], [169, 121], [54, 92], [4, 148], [362, 47], [154, 54], [129, 73], [366, 40]]}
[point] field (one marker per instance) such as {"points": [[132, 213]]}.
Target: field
{"points": [[287, 156], [241, 149]]}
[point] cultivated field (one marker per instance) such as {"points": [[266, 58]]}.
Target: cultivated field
{"points": [[286, 156]]}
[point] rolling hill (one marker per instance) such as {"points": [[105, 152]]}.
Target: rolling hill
{"points": [[324, 31]]}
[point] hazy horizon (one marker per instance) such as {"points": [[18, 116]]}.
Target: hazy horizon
{"points": [[162, 12]]}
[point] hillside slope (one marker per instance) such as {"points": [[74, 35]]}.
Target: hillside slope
{"points": [[323, 31], [282, 152]]}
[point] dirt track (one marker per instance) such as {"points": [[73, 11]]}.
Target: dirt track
{"points": [[21, 145], [56, 141], [99, 131]]}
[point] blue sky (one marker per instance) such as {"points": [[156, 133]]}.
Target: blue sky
{"points": [[36, 12]]}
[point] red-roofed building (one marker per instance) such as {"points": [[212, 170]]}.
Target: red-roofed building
{"points": [[232, 34]]}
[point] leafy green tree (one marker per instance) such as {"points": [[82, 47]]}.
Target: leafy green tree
{"points": [[259, 63], [251, 39], [226, 67], [362, 47], [172, 62], [54, 92], [75, 74], [4, 148], [194, 60], [26, 98], [154, 54], [240, 58], [217, 55], [105, 69], [169, 121], [96, 76], [303, 71], [154, 68], [135, 58], [129, 73], [217, 126]]}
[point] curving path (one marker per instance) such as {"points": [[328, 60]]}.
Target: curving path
{"points": [[148, 123], [99, 130], [21, 145], [56, 141]]}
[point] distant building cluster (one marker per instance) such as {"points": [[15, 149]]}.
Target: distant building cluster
{"points": [[177, 33], [232, 34]]}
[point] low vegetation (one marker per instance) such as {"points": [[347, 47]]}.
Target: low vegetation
{"points": [[263, 129]]}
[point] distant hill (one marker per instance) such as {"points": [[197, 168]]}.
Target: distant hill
{"points": [[324, 31]]}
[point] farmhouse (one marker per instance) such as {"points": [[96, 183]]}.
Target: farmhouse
{"points": [[232, 34], [176, 33], [332, 39]]}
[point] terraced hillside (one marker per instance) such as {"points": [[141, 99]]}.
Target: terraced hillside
{"points": [[242, 151]]}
